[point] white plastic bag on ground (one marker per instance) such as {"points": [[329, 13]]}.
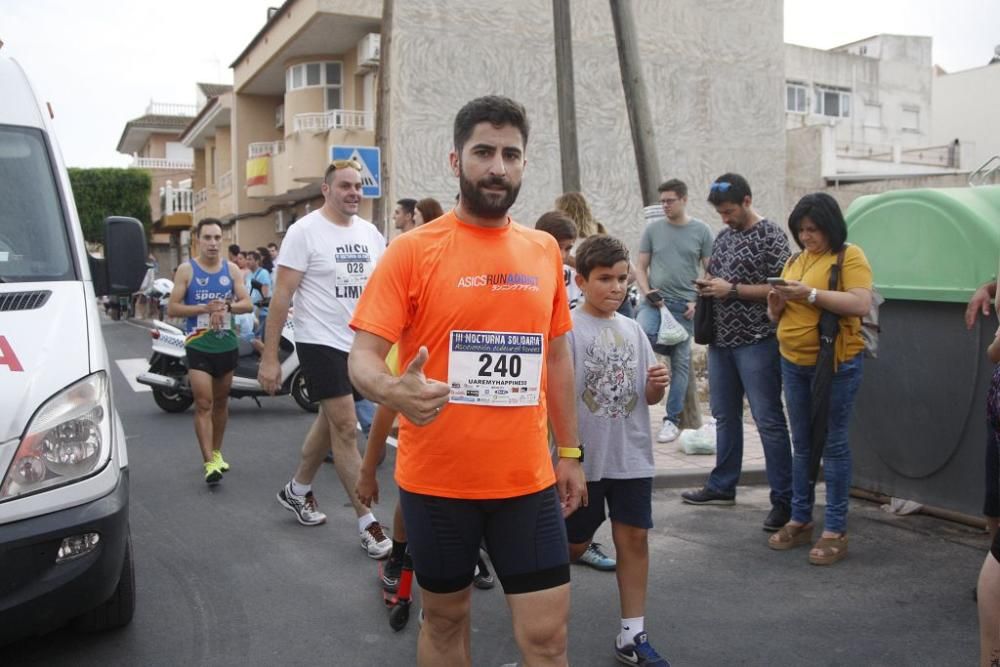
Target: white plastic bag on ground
{"points": [[671, 332], [698, 441], [902, 506]]}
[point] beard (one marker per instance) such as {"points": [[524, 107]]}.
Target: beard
{"points": [[483, 205]]}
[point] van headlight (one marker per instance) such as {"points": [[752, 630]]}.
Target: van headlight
{"points": [[68, 439]]}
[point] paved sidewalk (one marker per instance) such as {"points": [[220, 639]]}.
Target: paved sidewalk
{"points": [[676, 469]]}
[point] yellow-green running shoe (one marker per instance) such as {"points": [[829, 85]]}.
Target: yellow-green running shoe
{"points": [[217, 457], [213, 474]]}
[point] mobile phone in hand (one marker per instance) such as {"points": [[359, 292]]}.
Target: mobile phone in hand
{"points": [[777, 281]]}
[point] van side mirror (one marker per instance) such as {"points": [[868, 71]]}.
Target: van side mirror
{"points": [[124, 264]]}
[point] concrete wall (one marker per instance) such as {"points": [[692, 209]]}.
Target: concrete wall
{"points": [[284, 29], [253, 120], [966, 108], [715, 78], [894, 73], [805, 174]]}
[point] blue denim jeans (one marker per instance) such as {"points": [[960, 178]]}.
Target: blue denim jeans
{"points": [[753, 370], [836, 452], [365, 412], [648, 318]]}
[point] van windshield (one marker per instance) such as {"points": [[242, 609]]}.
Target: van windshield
{"points": [[33, 234]]}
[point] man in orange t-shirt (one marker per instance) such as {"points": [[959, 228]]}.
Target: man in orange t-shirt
{"points": [[477, 305]]}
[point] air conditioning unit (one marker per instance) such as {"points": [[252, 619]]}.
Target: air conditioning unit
{"points": [[279, 116], [368, 50]]}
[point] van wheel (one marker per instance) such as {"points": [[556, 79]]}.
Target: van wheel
{"points": [[171, 401], [301, 394], [116, 611]]}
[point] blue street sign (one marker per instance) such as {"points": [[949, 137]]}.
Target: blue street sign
{"points": [[370, 158]]}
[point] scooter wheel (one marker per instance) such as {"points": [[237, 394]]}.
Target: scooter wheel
{"points": [[399, 616], [171, 401], [300, 393]]}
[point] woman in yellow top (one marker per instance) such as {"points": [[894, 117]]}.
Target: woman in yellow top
{"points": [[818, 227]]}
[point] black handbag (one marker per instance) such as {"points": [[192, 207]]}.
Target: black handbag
{"points": [[704, 320]]}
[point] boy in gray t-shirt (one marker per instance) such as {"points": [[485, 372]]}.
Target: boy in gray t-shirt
{"points": [[617, 379]]}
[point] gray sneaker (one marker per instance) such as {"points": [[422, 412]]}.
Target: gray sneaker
{"points": [[305, 508], [597, 559]]}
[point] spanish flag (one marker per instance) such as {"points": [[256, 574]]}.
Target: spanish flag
{"points": [[257, 170]]}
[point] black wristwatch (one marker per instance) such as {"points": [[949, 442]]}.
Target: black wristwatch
{"points": [[733, 292]]}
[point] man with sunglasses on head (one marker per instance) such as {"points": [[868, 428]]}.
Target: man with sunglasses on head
{"points": [[326, 260], [744, 359]]}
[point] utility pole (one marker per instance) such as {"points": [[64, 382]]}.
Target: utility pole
{"points": [[636, 100], [565, 96], [382, 112], [644, 144]]}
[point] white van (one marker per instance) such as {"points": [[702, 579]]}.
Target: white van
{"points": [[65, 552]]}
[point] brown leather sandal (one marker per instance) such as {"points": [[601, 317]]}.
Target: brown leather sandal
{"points": [[790, 536], [832, 549]]}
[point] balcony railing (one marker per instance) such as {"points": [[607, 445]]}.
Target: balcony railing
{"points": [[168, 109], [175, 200], [265, 148], [863, 151], [225, 184], [200, 197], [161, 163], [335, 119], [948, 155]]}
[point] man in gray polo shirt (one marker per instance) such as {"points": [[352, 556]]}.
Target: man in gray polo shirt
{"points": [[672, 253]]}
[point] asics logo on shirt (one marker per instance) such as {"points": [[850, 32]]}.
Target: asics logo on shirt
{"points": [[501, 282]]}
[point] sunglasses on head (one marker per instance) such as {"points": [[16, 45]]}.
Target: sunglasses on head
{"points": [[344, 164], [720, 186]]}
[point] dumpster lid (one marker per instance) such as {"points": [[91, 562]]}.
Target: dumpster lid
{"points": [[930, 244]]}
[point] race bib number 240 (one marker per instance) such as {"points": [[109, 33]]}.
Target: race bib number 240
{"points": [[495, 368]]}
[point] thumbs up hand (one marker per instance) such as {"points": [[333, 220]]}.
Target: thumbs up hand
{"points": [[418, 398]]}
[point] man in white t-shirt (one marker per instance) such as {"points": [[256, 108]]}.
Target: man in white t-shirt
{"points": [[326, 259]]}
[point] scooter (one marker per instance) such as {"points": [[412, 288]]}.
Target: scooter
{"points": [[168, 372]]}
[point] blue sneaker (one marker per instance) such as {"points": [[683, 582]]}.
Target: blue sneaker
{"points": [[597, 559], [640, 653]]}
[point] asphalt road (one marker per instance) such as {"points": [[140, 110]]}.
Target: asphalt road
{"points": [[226, 576]]}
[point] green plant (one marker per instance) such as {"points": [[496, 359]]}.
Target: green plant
{"points": [[104, 191]]}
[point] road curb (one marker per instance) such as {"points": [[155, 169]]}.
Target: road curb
{"points": [[680, 479]]}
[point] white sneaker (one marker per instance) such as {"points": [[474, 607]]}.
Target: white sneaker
{"points": [[375, 542], [668, 432]]}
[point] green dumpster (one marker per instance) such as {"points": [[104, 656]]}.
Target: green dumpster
{"points": [[919, 430]]}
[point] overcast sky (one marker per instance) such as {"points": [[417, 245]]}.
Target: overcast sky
{"points": [[100, 62]]}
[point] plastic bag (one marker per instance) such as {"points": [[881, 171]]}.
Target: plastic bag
{"points": [[700, 441], [671, 332]]}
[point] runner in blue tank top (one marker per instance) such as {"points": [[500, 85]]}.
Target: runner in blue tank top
{"points": [[203, 293]]}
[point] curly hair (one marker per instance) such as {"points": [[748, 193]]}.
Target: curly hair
{"points": [[575, 205]]}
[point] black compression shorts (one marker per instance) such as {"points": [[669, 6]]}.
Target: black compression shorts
{"points": [[525, 537]]}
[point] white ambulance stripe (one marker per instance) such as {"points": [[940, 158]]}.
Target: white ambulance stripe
{"points": [[132, 367]]}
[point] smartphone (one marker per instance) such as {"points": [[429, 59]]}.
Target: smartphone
{"points": [[777, 281]]}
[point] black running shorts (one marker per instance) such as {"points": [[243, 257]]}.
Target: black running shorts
{"points": [[525, 537], [629, 501], [216, 364], [995, 547], [325, 370]]}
